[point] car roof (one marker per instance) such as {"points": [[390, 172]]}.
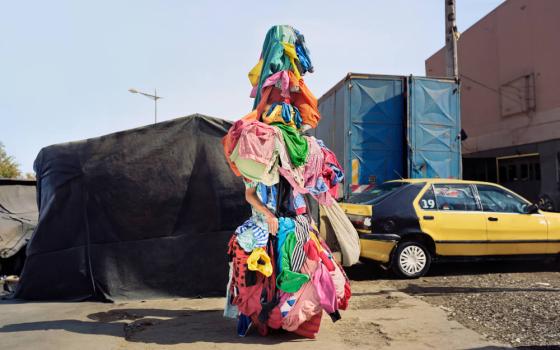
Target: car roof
{"points": [[440, 180]]}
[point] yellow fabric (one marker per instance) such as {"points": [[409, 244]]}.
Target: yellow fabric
{"points": [[255, 73], [290, 51], [276, 116], [257, 255]]}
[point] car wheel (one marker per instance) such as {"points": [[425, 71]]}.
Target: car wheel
{"points": [[411, 260]]}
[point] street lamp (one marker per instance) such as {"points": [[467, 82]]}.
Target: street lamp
{"points": [[154, 97]]}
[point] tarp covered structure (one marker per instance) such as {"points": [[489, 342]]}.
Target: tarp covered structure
{"points": [[18, 216], [140, 213]]}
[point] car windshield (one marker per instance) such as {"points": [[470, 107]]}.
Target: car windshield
{"points": [[376, 194]]}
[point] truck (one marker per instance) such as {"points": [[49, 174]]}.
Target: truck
{"points": [[386, 127]]}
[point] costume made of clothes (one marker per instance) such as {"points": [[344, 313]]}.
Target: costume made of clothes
{"points": [[284, 280]]}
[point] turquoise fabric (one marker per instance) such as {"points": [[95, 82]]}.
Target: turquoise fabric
{"points": [[285, 227], [274, 59]]}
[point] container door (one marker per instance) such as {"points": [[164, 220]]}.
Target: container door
{"points": [[434, 129], [376, 144]]}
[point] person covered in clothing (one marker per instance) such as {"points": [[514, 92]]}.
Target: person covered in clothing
{"points": [[282, 274]]}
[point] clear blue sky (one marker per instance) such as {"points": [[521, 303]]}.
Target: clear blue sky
{"points": [[66, 66]]}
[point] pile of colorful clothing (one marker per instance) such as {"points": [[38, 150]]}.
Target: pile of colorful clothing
{"points": [[283, 281]]}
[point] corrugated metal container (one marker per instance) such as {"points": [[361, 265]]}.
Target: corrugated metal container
{"points": [[378, 134]]}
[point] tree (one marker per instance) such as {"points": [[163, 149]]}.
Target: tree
{"points": [[8, 166]]}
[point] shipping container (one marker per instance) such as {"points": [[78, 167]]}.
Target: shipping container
{"points": [[384, 127]]}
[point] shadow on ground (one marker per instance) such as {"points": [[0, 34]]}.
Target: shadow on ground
{"points": [[415, 289], [157, 326]]}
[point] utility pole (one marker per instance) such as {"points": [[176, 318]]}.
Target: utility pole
{"points": [[451, 35], [156, 97]]}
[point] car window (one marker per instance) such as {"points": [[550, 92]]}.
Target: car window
{"points": [[378, 193], [495, 199], [428, 200], [455, 197]]}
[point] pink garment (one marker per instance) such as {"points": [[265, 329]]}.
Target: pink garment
{"points": [[307, 174], [282, 296], [325, 288], [253, 93], [308, 303], [314, 165], [257, 142], [235, 132], [292, 174], [328, 173], [339, 280], [339, 277], [284, 81]]}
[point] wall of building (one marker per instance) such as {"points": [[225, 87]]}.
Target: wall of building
{"points": [[519, 38]]}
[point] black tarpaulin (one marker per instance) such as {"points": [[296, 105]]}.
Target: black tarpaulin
{"points": [[140, 213], [18, 216]]}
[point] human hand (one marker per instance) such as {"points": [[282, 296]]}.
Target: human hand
{"points": [[272, 222]]}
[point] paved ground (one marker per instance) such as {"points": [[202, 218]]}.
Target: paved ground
{"points": [[517, 303], [380, 317]]}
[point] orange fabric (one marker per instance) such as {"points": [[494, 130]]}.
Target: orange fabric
{"points": [[230, 140], [306, 102]]}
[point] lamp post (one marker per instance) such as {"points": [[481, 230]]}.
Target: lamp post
{"points": [[154, 97]]}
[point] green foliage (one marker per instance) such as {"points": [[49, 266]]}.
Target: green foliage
{"points": [[8, 166]]}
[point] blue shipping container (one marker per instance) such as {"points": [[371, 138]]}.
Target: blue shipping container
{"points": [[434, 128], [378, 134]]}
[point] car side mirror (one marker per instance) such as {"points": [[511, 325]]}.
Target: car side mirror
{"points": [[532, 209]]}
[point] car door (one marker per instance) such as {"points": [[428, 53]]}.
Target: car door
{"points": [[511, 230], [451, 214]]}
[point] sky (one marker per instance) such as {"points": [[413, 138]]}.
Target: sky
{"points": [[66, 66]]}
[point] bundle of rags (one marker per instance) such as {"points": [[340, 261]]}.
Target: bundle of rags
{"points": [[287, 280]]}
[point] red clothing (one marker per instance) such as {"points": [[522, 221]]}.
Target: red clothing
{"points": [[248, 298], [309, 329]]}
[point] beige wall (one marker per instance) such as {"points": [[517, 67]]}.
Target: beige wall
{"points": [[519, 37]]}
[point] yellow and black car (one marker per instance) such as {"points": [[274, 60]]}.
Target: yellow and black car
{"points": [[407, 224]]}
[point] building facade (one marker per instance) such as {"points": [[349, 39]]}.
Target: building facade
{"points": [[509, 65]]}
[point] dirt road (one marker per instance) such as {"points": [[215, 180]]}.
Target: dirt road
{"points": [[380, 317]]}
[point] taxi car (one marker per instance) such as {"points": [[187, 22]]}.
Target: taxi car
{"points": [[407, 224]]}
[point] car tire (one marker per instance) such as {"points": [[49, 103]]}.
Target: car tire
{"points": [[411, 260]]}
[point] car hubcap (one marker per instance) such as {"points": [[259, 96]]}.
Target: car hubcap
{"points": [[412, 259]]}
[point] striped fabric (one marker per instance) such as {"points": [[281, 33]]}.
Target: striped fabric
{"points": [[302, 236], [251, 236]]}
